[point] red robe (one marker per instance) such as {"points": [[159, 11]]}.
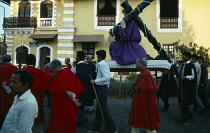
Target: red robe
{"points": [[63, 110], [40, 80], [144, 112], [69, 66], [6, 71], [47, 68]]}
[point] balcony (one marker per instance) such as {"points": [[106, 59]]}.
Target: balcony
{"points": [[106, 20], [45, 22], [171, 22], [20, 22]]}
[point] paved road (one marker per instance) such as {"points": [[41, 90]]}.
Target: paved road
{"points": [[119, 110]]}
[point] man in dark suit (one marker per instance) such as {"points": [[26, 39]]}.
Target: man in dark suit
{"points": [[202, 87], [189, 79]]}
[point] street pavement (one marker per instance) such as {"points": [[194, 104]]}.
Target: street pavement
{"points": [[119, 110]]}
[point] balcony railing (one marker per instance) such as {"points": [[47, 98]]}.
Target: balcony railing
{"points": [[169, 22], [19, 22], [104, 20], [45, 22]]}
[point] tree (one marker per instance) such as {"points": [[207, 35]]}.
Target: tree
{"points": [[194, 49]]}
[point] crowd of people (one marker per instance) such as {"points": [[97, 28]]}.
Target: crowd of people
{"points": [[71, 90], [192, 91]]}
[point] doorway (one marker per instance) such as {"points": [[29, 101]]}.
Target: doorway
{"points": [[44, 52]]}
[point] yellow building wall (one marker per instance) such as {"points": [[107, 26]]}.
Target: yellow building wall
{"points": [[195, 25]]}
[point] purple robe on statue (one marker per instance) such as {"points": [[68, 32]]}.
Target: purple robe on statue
{"points": [[127, 49]]}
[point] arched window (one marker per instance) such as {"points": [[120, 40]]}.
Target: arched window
{"points": [[24, 9], [21, 53], [46, 9]]}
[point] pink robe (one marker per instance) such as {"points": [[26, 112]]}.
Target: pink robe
{"points": [[63, 109], [37, 89], [143, 112], [6, 100]]}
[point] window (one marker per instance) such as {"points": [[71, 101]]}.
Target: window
{"points": [[21, 53], [46, 9], [24, 9], [169, 13], [46, 13], [106, 12], [88, 48], [169, 48]]}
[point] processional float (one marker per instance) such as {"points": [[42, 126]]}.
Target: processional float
{"points": [[132, 15]]}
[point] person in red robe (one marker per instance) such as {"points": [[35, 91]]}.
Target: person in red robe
{"points": [[144, 112], [6, 71], [37, 89], [67, 62], [64, 87]]}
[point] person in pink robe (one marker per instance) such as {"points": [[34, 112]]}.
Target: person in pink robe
{"points": [[144, 112], [6, 71], [64, 88]]}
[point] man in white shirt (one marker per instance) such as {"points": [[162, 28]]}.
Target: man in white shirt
{"points": [[101, 85], [24, 109], [188, 78], [201, 107]]}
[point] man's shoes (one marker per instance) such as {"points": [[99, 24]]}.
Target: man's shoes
{"points": [[80, 124], [92, 131], [165, 108], [200, 110], [90, 112]]}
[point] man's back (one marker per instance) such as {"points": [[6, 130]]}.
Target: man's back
{"points": [[22, 113], [103, 73], [6, 71], [198, 70], [203, 74]]}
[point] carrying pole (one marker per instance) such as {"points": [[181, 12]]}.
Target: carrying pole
{"points": [[181, 99], [99, 106]]}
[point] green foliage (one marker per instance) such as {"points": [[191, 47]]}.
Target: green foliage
{"points": [[126, 87], [194, 49]]}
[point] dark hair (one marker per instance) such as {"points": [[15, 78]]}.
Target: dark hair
{"points": [[201, 58], [101, 54], [81, 55], [30, 59], [195, 56], [25, 77], [68, 59], [6, 58], [47, 59], [187, 54]]}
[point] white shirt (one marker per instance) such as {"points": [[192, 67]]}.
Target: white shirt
{"points": [[73, 69], [22, 113], [198, 70], [189, 77], [103, 74]]}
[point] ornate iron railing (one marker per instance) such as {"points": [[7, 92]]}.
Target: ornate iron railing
{"points": [[106, 20], [170, 22], [19, 22]]}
